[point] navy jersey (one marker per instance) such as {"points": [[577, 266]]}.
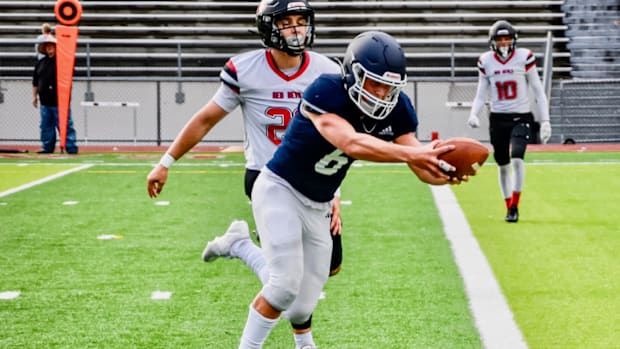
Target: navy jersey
{"points": [[311, 164]]}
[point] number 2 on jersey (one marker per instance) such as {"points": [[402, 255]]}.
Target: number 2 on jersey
{"points": [[275, 132], [506, 89]]}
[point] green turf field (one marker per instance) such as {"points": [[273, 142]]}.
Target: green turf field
{"points": [[558, 266], [399, 286]]}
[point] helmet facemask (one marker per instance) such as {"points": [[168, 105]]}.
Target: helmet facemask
{"points": [[371, 105], [504, 50], [502, 29], [297, 43], [269, 12]]}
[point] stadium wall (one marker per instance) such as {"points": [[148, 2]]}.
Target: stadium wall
{"points": [[160, 117]]}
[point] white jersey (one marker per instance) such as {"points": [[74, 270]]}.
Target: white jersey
{"points": [[508, 79], [268, 97]]}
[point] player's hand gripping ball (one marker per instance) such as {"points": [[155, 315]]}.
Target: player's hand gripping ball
{"points": [[467, 156]]}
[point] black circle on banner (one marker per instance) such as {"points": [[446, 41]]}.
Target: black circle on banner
{"points": [[68, 12]]}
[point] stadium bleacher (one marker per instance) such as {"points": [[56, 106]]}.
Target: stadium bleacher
{"points": [[594, 38], [194, 38]]}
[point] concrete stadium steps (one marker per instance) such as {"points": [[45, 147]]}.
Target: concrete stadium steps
{"points": [[594, 35], [223, 28]]}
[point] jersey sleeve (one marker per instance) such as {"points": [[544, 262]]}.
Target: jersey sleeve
{"points": [[481, 95], [321, 96], [530, 61], [542, 104], [228, 95], [226, 98], [481, 68], [408, 118]]}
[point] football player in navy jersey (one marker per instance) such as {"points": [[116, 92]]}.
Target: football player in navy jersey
{"points": [[267, 84], [360, 114], [508, 72]]}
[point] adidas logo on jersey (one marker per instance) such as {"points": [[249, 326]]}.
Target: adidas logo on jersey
{"points": [[386, 131]]}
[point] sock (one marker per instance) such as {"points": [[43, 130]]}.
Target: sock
{"points": [[253, 256], [505, 181], [256, 330], [302, 339], [518, 170], [508, 201], [515, 198]]}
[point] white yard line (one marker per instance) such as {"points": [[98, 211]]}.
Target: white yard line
{"points": [[492, 315], [43, 180]]}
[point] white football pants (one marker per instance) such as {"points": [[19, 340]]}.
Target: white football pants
{"points": [[294, 235]]}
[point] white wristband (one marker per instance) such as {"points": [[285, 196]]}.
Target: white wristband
{"points": [[167, 160]]}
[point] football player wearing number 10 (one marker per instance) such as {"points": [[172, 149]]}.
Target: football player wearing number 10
{"points": [[507, 72], [360, 114]]}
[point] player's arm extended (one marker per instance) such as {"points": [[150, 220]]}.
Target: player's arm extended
{"points": [[343, 136]]}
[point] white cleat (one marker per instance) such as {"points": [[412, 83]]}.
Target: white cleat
{"points": [[220, 246]]}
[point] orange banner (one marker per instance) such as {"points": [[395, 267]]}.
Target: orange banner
{"points": [[66, 45]]}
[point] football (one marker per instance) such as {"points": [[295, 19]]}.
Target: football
{"points": [[467, 156]]}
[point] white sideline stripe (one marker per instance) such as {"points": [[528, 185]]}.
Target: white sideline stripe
{"points": [[43, 180], [491, 313]]}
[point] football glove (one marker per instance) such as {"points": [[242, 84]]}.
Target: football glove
{"points": [[473, 121], [545, 131]]}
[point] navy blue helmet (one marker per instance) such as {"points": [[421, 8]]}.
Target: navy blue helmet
{"points": [[376, 56], [270, 11], [502, 28]]}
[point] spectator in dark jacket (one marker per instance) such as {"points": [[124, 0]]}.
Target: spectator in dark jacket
{"points": [[44, 91]]}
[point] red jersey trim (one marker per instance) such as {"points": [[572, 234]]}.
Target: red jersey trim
{"points": [[305, 62], [497, 58], [532, 64]]}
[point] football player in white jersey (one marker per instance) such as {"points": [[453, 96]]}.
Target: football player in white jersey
{"points": [[268, 85], [507, 72]]}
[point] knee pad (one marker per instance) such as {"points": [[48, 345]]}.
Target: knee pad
{"points": [[336, 261], [300, 315], [249, 179], [519, 139], [303, 326], [281, 292]]}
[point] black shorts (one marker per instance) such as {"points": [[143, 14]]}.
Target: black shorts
{"points": [[508, 129]]}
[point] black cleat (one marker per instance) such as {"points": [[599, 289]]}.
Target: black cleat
{"points": [[513, 214]]}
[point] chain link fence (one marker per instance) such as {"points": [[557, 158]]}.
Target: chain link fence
{"points": [[152, 112], [117, 112]]}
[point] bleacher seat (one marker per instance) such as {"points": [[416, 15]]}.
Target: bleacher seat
{"points": [[594, 38], [120, 38]]}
